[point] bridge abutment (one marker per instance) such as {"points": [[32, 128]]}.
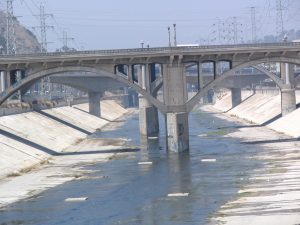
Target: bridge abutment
{"points": [[94, 103], [236, 96]]}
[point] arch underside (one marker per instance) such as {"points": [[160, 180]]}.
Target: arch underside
{"points": [[31, 78], [99, 72], [254, 63]]}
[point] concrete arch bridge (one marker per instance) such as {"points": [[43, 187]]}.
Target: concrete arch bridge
{"points": [[149, 70]]}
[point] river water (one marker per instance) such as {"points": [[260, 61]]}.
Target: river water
{"points": [[121, 191]]}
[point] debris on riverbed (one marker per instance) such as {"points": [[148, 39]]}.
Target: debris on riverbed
{"points": [[208, 160], [178, 194], [81, 199], [145, 163]]}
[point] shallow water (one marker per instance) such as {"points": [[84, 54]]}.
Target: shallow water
{"points": [[123, 192]]}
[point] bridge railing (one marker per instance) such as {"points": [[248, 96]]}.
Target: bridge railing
{"points": [[157, 49]]}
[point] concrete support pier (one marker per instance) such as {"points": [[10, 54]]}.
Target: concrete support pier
{"points": [[175, 94], [288, 100], [2, 81], [177, 131], [288, 95], [94, 103], [148, 114], [236, 96]]}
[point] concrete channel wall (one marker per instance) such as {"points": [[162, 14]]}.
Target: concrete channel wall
{"points": [[30, 138], [263, 109]]}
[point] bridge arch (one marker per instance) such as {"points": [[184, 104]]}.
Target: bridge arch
{"points": [[253, 63], [98, 72]]}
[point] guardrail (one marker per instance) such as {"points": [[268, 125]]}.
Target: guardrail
{"points": [[156, 49]]}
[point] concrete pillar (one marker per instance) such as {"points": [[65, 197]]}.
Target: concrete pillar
{"points": [[2, 80], [287, 71], [18, 79], [94, 103], [148, 119], [148, 114], [288, 100], [175, 94], [288, 96], [200, 74], [177, 131], [8, 79], [236, 96]]}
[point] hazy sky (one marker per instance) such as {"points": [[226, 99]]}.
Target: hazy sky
{"points": [[102, 24]]}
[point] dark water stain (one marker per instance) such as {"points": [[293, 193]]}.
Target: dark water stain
{"points": [[124, 192]]}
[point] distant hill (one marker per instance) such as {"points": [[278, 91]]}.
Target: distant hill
{"points": [[26, 41]]}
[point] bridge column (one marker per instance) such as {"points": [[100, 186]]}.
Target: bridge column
{"points": [[288, 96], [3, 80], [148, 118], [177, 131], [175, 94], [148, 114], [200, 74], [94, 103], [288, 100], [236, 96]]}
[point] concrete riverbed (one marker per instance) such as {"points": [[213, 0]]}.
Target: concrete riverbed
{"points": [[225, 178], [236, 171]]}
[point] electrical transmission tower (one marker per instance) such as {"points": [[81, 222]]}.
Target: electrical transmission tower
{"points": [[279, 17], [65, 40], [253, 24], [219, 31], [43, 28], [235, 30], [10, 28]]}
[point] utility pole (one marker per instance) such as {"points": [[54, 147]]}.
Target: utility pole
{"points": [[253, 24], [10, 28], [169, 33], [43, 28], [175, 35]]}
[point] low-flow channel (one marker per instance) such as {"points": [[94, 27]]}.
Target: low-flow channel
{"points": [[150, 186]]}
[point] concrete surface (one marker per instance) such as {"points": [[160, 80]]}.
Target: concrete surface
{"points": [[271, 194], [29, 139], [258, 108], [288, 124]]}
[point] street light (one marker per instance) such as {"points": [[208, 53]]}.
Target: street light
{"points": [[175, 35], [169, 32], [142, 43]]}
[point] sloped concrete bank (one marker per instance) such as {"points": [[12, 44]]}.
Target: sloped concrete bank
{"points": [[271, 195], [31, 138], [263, 109], [43, 149]]}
